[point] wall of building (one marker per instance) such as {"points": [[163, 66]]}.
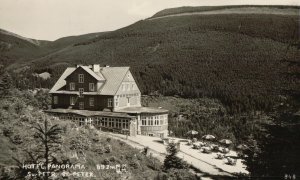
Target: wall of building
{"points": [[154, 124], [100, 102], [128, 94], [116, 124], [87, 79], [63, 101]]}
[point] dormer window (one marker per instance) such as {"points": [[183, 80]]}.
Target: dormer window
{"points": [[92, 86], [81, 78], [72, 86]]}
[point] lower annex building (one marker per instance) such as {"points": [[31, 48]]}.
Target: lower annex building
{"points": [[107, 98]]}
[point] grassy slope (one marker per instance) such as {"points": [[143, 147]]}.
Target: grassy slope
{"points": [[87, 141]]}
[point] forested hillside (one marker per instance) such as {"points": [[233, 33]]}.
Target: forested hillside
{"points": [[245, 60]]}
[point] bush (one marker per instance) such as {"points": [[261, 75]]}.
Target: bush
{"points": [[108, 149], [145, 150], [113, 159], [17, 139], [106, 161], [8, 131], [108, 140], [135, 164], [99, 150], [121, 143]]}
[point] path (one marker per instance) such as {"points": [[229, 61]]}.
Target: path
{"points": [[158, 150]]}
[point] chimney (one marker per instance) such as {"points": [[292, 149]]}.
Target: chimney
{"points": [[96, 67]]}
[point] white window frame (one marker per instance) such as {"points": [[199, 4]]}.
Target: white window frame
{"points": [[81, 105], [55, 99], [72, 86], [92, 101], [72, 100], [81, 90], [81, 78], [92, 86], [109, 102]]}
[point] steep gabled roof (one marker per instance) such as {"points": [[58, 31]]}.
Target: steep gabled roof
{"points": [[112, 77], [61, 82], [97, 76]]}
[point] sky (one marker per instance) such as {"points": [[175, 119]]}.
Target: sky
{"points": [[53, 19]]}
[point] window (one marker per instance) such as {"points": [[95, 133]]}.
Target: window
{"points": [[81, 122], [91, 101], [109, 103], [156, 122], [72, 86], [81, 90], [81, 105], [55, 100], [92, 86], [116, 102], [123, 87], [81, 78], [132, 87], [144, 122], [150, 121], [72, 100], [127, 87]]}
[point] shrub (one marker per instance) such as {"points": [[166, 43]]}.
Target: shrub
{"points": [[17, 139], [145, 150], [8, 131], [135, 164], [113, 159], [108, 140], [121, 143], [99, 150], [106, 161], [108, 149]]}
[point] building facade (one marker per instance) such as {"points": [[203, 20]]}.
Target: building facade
{"points": [[107, 98]]}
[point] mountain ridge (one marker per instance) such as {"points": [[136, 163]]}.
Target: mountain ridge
{"points": [[191, 9]]}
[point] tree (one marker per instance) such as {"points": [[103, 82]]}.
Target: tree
{"points": [[5, 84], [48, 141], [171, 160], [275, 153]]}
